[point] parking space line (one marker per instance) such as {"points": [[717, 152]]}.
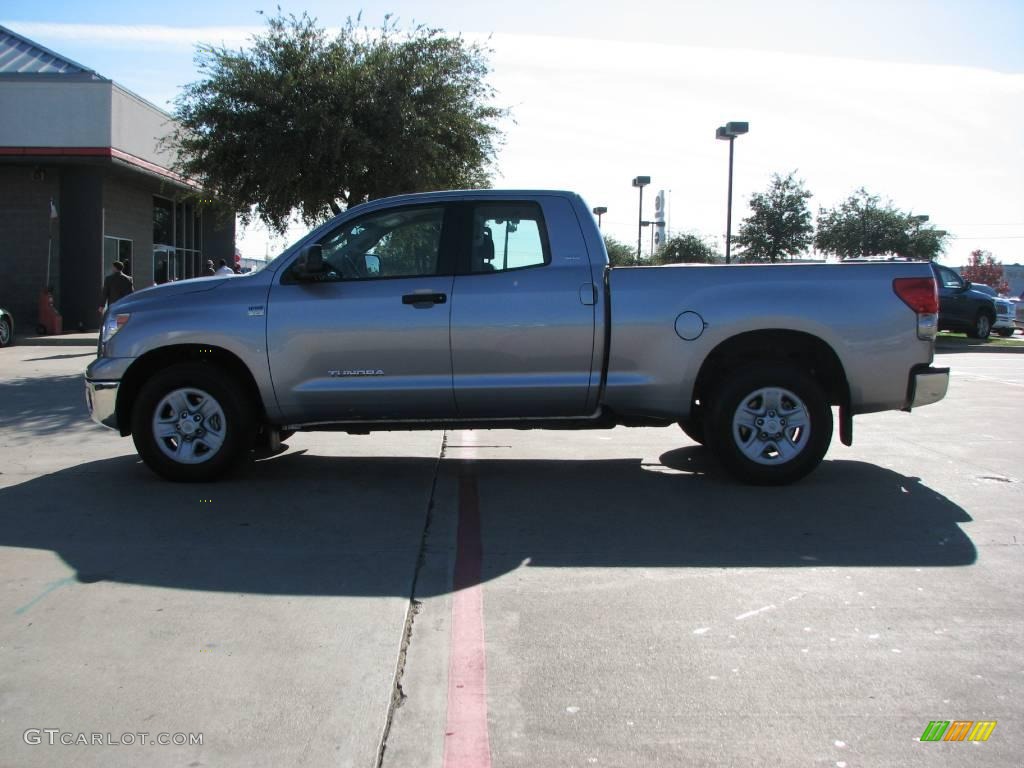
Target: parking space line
{"points": [[466, 742]]}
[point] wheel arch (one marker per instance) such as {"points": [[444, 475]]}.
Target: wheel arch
{"points": [[810, 353], [163, 357]]}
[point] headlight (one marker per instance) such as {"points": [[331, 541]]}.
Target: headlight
{"points": [[112, 324]]}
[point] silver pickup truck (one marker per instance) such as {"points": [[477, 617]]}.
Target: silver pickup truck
{"points": [[497, 309]]}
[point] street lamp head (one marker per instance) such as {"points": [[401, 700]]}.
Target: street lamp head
{"points": [[920, 219], [646, 223], [641, 181], [731, 130], [600, 210]]}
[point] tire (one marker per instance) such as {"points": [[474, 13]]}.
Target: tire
{"points": [[759, 397], [694, 425], [6, 332], [982, 327], [202, 446], [1005, 332]]}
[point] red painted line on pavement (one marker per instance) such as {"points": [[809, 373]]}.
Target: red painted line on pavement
{"points": [[466, 744]]}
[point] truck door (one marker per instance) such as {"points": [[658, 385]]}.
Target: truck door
{"points": [[522, 311], [367, 336], [953, 304]]}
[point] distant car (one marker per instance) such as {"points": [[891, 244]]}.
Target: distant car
{"points": [[1005, 315], [961, 307], [6, 328], [1005, 323]]}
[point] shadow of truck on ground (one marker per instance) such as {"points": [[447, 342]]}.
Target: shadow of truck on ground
{"points": [[300, 524]]}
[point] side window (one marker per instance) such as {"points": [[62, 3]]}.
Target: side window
{"points": [[508, 236], [949, 278], [397, 243]]}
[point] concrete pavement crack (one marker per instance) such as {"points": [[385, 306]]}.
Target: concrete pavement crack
{"points": [[397, 694]]}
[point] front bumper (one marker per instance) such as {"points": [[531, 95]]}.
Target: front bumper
{"points": [[101, 399], [927, 385]]}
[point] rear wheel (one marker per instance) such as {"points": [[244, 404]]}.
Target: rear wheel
{"points": [[982, 326], [1005, 332], [6, 332], [189, 425], [770, 425]]}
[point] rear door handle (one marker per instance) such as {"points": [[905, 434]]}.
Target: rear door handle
{"points": [[424, 298]]}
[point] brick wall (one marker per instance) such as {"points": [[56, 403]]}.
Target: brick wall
{"points": [[128, 214], [25, 194]]}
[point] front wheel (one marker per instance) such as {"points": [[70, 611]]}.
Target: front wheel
{"points": [[188, 423], [6, 333], [982, 326], [770, 425], [1005, 332]]}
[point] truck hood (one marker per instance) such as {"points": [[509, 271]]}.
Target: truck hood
{"points": [[160, 293], [979, 295]]}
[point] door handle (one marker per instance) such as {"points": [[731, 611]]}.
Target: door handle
{"points": [[424, 298]]}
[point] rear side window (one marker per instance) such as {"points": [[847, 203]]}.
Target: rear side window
{"points": [[949, 278], [508, 236]]}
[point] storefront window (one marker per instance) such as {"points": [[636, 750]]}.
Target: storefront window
{"points": [[177, 240], [117, 249]]}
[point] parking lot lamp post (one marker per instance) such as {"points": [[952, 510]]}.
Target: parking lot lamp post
{"points": [[599, 212], [640, 182], [729, 132]]}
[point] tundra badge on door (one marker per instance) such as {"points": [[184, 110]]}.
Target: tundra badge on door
{"points": [[357, 372]]}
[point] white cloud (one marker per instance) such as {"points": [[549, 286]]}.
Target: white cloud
{"points": [[593, 114]]}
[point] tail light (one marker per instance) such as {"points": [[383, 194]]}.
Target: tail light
{"points": [[921, 294]]}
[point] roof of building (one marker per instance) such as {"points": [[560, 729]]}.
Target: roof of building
{"points": [[21, 56]]}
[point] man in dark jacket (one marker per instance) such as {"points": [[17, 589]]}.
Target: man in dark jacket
{"points": [[116, 286]]}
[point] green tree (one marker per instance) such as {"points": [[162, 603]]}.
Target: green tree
{"points": [[686, 248], [779, 225], [619, 254], [924, 243], [863, 226], [982, 267], [305, 122]]}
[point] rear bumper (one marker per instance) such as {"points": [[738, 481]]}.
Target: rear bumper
{"points": [[101, 399], [927, 385]]}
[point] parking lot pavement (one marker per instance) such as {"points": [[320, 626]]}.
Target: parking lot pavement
{"points": [[616, 601], [265, 613], [639, 609]]}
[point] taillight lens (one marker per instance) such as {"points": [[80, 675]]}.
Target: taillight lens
{"points": [[921, 294]]}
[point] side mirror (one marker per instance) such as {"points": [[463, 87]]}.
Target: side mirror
{"points": [[310, 261]]}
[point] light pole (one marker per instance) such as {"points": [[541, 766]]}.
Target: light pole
{"points": [[599, 212], [640, 182], [729, 132]]}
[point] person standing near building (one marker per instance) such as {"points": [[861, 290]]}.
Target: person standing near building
{"points": [[116, 286], [224, 269]]}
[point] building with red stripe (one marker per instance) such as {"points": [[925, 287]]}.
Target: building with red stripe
{"points": [[86, 178]]}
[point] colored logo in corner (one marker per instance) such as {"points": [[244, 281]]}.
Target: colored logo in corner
{"points": [[958, 730]]}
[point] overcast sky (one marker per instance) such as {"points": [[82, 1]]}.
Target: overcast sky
{"points": [[922, 103]]}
